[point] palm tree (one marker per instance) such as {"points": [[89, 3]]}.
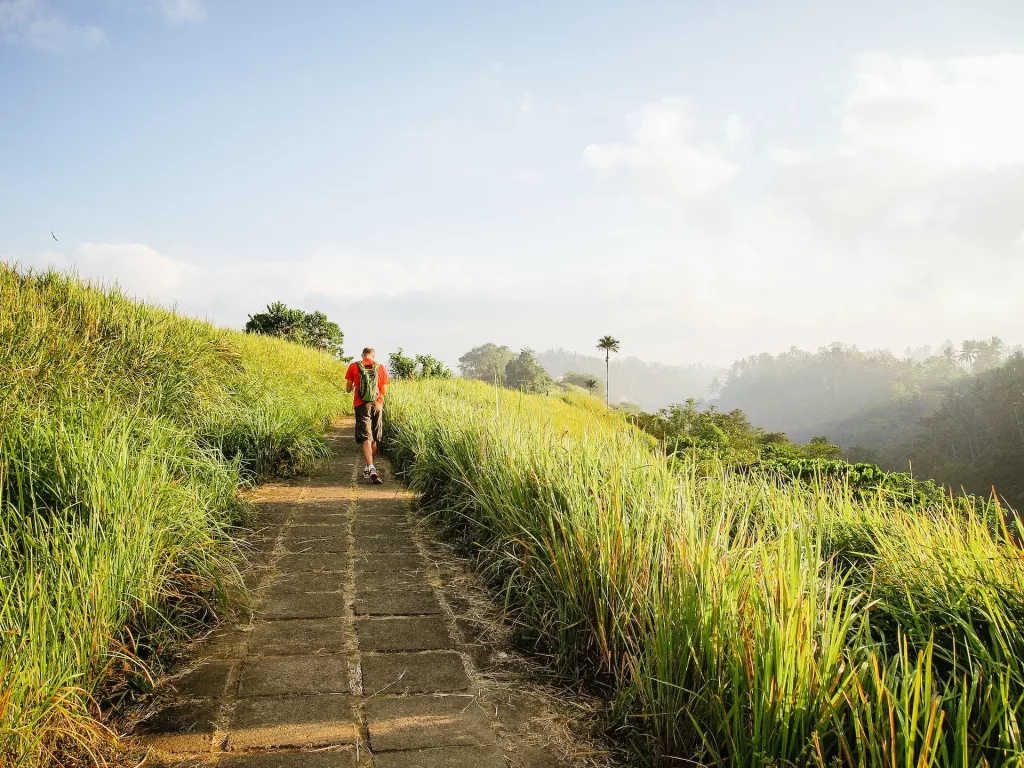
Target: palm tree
{"points": [[969, 352], [609, 344], [995, 348]]}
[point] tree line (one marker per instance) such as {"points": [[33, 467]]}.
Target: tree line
{"points": [[953, 416]]}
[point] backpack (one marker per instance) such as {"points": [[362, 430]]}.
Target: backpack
{"points": [[369, 386]]}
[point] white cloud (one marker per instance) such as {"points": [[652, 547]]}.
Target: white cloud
{"points": [[962, 112], [737, 134], [36, 24], [178, 11], [662, 154], [335, 274], [927, 164]]}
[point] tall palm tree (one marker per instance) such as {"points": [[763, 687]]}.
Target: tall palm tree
{"points": [[609, 344], [969, 352], [995, 348]]}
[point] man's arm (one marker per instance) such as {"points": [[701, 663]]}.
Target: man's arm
{"points": [[349, 386]]}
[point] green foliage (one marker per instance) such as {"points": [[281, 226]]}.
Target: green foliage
{"points": [[127, 431], [421, 367], [975, 437], [526, 374], [731, 619], [401, 366], [432, 368], [711, 438], [486, 363], [608, 344], [311, 329], [591, 384], [961, 430], [729, 437]]}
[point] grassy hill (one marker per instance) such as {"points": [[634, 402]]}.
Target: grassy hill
{"points": [[730, 618], [127, 431]]}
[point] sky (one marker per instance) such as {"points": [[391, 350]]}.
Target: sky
{"points": [[703, 181]]}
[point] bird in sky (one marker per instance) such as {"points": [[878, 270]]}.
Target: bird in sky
{"points": [[54, 237]]}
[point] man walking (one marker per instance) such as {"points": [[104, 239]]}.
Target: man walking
{"points": [[369, 380]]}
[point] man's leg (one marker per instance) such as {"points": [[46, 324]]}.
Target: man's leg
{"points": [[364, 432], [376, 426]]}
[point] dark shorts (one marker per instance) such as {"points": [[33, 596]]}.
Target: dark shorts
{"points": [[369, 422]]}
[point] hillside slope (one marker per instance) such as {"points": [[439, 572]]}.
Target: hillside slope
{"points": [[127, 431], [730, 619]]}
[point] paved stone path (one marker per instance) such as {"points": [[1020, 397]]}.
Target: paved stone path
{"points": [[350, 658]]}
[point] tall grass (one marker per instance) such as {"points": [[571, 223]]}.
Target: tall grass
{"points": [[126, 433], [731, 620]]}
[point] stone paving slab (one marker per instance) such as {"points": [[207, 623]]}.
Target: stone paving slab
{"points": [[396, 544], [223, 643], [320, 514], [413, 600], [275, 676], [318, 530], [443, 757], [306, 581], [429, 672], [312, 561], [298, 637], [302, 721], [303, 605], [207, 681], [315, 544], [370, 563], [381, 526], [273, 512], [415, 633], [333, 759], [418, 722], [183, 727]]}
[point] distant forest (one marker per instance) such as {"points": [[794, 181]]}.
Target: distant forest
{"points": [[648, 385], [956, 416]]}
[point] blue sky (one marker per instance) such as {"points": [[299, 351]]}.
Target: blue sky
{"points": [[703, 181]]}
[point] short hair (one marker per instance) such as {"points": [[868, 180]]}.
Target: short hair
{"points": [[367, 351]]}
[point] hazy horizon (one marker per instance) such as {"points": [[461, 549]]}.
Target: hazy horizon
{"points": [[703, 183]]}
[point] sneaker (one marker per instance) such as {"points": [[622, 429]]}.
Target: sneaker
{"points": [[367, 470], [375, 476]]}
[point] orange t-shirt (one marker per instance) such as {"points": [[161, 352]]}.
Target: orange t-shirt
{"points": [[353, 375]]}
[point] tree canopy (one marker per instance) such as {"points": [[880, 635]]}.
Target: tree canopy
{"points": [[525, 373], [592, 384], [486, 362], [400, 366], [311, 329]]}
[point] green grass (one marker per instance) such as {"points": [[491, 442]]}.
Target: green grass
{"points": [[730, 619], [127, 431]]}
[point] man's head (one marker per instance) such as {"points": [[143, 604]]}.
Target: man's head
{"points": [[368, 353]]}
